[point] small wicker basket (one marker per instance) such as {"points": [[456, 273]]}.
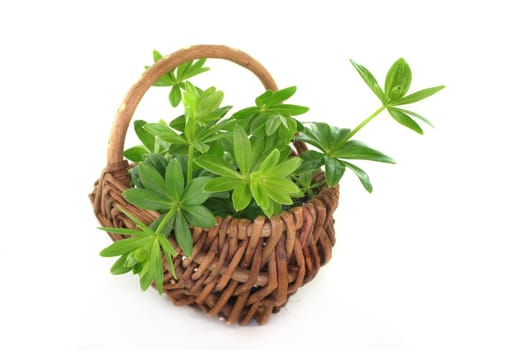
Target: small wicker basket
{"points": [[241, 269]]}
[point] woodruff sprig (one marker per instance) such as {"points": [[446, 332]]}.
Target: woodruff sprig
{"points": [[204, 163]]}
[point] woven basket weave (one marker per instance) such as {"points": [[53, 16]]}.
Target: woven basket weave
{"points": [[241, 269]]}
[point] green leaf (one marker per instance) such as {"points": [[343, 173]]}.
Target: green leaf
{"points": [[174, 179], [220, 184], [246, 113], [156, 55], [369, 80], [136, 153], [147, 139], [398, 80], [358, 150], [216, 165], [262, 99], [152, 180], [242, 150], [119, 267], [146, 277], [270, 161], [363, 177], [194, 193], [415, 115], [146, 199], [166, 230], [260, 196], [123, 231], [334, 171], [286, 168], [175, 96], [169, 252], [312, 160], [289, 110], [405, 120], [157, 161], [165, 133], [419, 95], [191, 69], [183, 234], [278, 195], [199, 216], [270, 98], [241, 196], [156, 266], [125, 246], [272, 124], [280, 184], [178, 123]]}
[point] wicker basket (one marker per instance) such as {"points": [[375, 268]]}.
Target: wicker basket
{"points": [[241, 269]]}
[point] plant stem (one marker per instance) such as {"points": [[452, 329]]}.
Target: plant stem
{"points": [[364, 122], [165, 220], [189, 173]]}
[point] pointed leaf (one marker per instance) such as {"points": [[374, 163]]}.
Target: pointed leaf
{"points": [[169, 252], [286, 168], [398, 80], [147, 139], [272, 124], [405, 120], [369, 80], [358, 150], [178, 123], [194, 193], [363, 177], [312, 160], [334, 171], [278, 195], [246, 113], [419, 95], [216, 165], [261, 197], [175, 96], [136, 153], [174, 179], [220, 184], [289, 110], [241, 197], [119, 267], [156, 55], [415, 115], [278, 96], [165, 133], [146, 277], [156, 265], [123, 231], [199, 216], [146, 199], [125, 246], [282, 185], [183, 234], [270, 161], [168, 226], [243, 150], [262, 99], [152, 180]]}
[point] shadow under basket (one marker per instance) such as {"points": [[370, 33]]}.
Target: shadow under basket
{"points": [[241, 269]]}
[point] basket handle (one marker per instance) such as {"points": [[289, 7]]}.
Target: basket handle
{"points": [[163, 66]]}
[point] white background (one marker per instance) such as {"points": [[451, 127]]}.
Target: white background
{"points": [[433, 259]]}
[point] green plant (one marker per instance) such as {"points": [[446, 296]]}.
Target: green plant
{"points": [[207, 163]]}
